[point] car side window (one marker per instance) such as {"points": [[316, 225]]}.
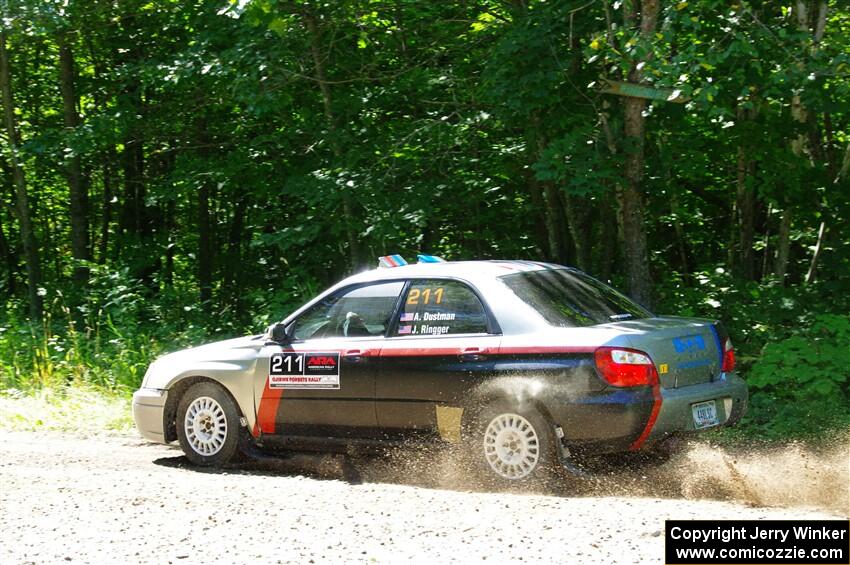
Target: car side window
{"points": [[361, 312], [441, 307]]}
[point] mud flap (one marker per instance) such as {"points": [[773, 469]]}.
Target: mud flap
{"points": [[565, 458]]}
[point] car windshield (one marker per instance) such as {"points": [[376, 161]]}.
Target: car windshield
{"points": [[568, 298]]}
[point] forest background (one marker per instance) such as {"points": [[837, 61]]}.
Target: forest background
{"points": [[177, 171]]}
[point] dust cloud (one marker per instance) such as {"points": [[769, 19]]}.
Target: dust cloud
{"points": [[790, 475]]}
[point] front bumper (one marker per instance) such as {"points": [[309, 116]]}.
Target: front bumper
{"points": [[148, 409], [675, 415]]}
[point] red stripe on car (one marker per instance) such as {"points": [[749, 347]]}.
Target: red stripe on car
{"points": [[267, 411], [545, 349], [435, 351], [656, 407]]}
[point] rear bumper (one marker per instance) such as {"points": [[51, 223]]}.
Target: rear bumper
{"points": [[675, 415], [616, 420], [148, 409]]}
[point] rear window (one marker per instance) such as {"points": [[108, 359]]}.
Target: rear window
{"points": [[568, 298]]}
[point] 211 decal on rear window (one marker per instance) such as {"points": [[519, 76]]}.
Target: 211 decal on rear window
{"points": [[316, 370]]}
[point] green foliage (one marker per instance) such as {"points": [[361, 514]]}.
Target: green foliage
{"points": [[801, 384], [453, 128], [811, 364]]}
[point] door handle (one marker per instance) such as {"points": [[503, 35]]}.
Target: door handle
{"points": [[473, 353], [355, 355]]}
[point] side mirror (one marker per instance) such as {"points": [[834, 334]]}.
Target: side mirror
{"points": [[277, 334]]}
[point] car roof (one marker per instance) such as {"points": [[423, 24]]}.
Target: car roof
{"points": [[469, 270]]}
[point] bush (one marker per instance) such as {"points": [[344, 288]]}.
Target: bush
{"points": [[801, 384]]}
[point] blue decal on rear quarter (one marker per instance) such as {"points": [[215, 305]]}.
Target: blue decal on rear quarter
{"points": [[689, 343], [694, 364]]}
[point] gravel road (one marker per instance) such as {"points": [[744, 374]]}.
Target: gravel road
{"points": [[120, 500]]}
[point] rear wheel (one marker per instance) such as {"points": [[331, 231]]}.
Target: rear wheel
{"points": [[512, 446], [208, 425]]}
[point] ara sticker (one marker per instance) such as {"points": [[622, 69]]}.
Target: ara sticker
{"points": [[313, 370]]}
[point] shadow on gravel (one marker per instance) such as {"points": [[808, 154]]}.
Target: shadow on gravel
{"points": [[317, 466], [788, 475]]}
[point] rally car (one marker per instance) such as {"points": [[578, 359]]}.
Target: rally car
{"points": [[525, 365]]}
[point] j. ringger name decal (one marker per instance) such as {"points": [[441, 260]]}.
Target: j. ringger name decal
{"points": [[293, 370]]}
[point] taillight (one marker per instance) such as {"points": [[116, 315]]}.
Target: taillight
{"points": [[620, 366], [728, 357]]}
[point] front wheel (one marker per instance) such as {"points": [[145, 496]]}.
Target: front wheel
{"points": [[208, 425], [513, 446]]}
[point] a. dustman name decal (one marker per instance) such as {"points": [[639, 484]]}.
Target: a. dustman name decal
{"points": [[427, 317], [291, 370], [438, 316]]}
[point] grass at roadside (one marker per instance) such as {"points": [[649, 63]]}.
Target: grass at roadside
{"points": [[78, 409]]}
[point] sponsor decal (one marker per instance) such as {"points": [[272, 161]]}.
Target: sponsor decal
{"points": [[695, 363], [689, 343], [438, 316], [309, 370], [422, 329]]}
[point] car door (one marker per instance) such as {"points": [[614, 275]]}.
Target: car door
{"points": [[440, 348], [322, 383]]}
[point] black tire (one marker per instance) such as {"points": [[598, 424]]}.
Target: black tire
{"points": [[211, 437], [535, 455]]}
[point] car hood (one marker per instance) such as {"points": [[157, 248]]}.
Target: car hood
{"points": [[218, 350], [240, 351]]}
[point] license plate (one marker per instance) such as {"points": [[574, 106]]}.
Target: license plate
{"points": [[705, 414]]}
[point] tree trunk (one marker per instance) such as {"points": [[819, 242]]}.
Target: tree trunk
{"points": [[355, 255], [553, 230], [608, 240], [205, 260], [783, 245], [133, 214], [799, 145], [538, 205], [609, 210], [630, 197], [233, 273], [77, 183], [172, 230], [681, 241], [745, 206], [819, 28], [9, 258], [577, 222], [30, 245], [106, 205], [813, 266]]}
